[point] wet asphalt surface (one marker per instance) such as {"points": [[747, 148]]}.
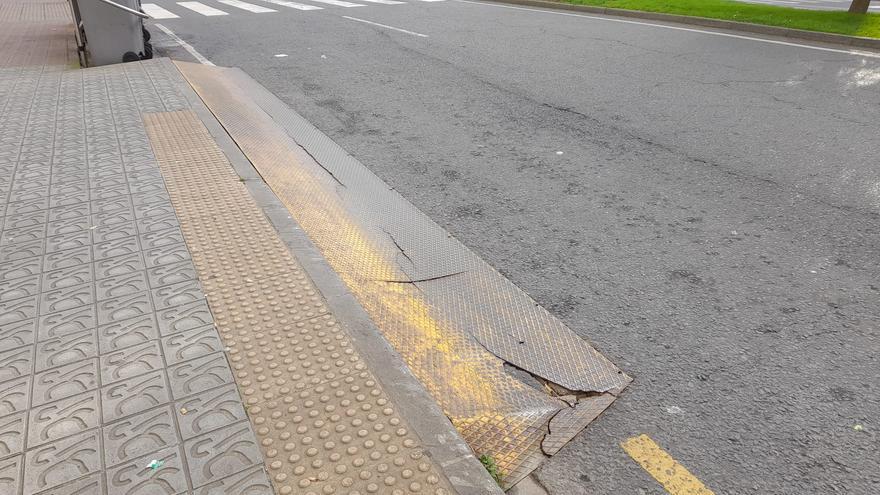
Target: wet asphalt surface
{"points": [[703, 209]]}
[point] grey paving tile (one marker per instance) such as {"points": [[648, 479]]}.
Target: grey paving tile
{"points": [[67, 227], [114, 232], [177, 295], [89, 485], [131, 361], [154, 210], [10, 474], [64, 322], [67, 258], [185, 317], [161, 238], [166, 254], [111, 217], [191, 344], [14, 395], [16, 363], [66, 349], [116, 247], [67, 277], [58, 462], [65, 381], [12, 430], [221, 453], [251, 481], [66, 298], [69, 212], [25, 267], [124, 307], [196, 375], [22, 235], [55, 420], [126, 333], [173, 273], [119, 265], [136, 477], [134, 395], [155, 224], [139, 435], [122, 285], [20, 287], [209, 411], [111, 204], [21, 250], [18, 310], [32, 203], [25, 219], [18, 334], [68, 199], [69, 240]]}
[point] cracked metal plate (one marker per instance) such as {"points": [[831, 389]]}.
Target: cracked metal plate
{"points": [[452, 317], [323, 422]]}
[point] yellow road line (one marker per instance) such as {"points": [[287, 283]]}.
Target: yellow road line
{"points": [[674, 477]]}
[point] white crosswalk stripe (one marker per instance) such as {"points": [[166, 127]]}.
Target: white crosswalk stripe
{"points": [[293, 5], [201, 8], [339, 3], [384, 2], [247, 6], [156, 12]]}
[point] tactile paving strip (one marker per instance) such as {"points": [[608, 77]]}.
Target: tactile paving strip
{"points": [[325, 425], [452, 317]]}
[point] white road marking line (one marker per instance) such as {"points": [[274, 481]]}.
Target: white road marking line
{"points": [[201, 8], [186, 46], [386, 26], [676, 28], [247, 6], [384, 2], [156, 12], [294, 5], [339, 3]]}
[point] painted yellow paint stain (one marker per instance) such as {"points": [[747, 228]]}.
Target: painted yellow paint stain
{"points": [[674, 477]]}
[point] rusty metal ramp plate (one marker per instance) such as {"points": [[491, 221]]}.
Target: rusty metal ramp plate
{"points": [[514, 380]]}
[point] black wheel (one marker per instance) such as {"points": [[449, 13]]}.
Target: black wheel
{"points": [[146, 35], [130, 57], [148, 51]]}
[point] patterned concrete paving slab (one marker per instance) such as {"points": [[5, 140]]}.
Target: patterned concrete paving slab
{"points": [[109, 357]]}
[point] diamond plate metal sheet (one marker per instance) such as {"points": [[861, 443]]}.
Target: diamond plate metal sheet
{"points": [[453, 318], [323, 422]]}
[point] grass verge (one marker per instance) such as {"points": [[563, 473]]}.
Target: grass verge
{"points": [[866, 25]]}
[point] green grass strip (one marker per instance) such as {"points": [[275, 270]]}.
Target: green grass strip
{"points": [[866, 25]]}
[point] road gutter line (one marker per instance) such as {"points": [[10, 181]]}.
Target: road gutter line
{"points": [[186, 46], [386, 26], [674, 477], [677, 28]]}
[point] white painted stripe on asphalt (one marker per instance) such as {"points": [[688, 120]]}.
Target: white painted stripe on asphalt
{"points": [[676, 28], [294, 5], [156, 12], [186, 46], [247, 6], [339, 3], [383, 2], [386, 26], [201, 8]]}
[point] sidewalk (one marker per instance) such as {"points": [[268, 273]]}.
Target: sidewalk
{"points": [[118, 374]]}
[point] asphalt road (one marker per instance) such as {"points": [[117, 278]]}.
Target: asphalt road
{"points": [[703, 208]]}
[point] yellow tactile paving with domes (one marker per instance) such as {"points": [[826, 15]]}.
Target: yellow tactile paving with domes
{"points": [[324, 423]]}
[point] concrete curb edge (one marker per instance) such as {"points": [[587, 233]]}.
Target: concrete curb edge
{"points": [[800, 34]]}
